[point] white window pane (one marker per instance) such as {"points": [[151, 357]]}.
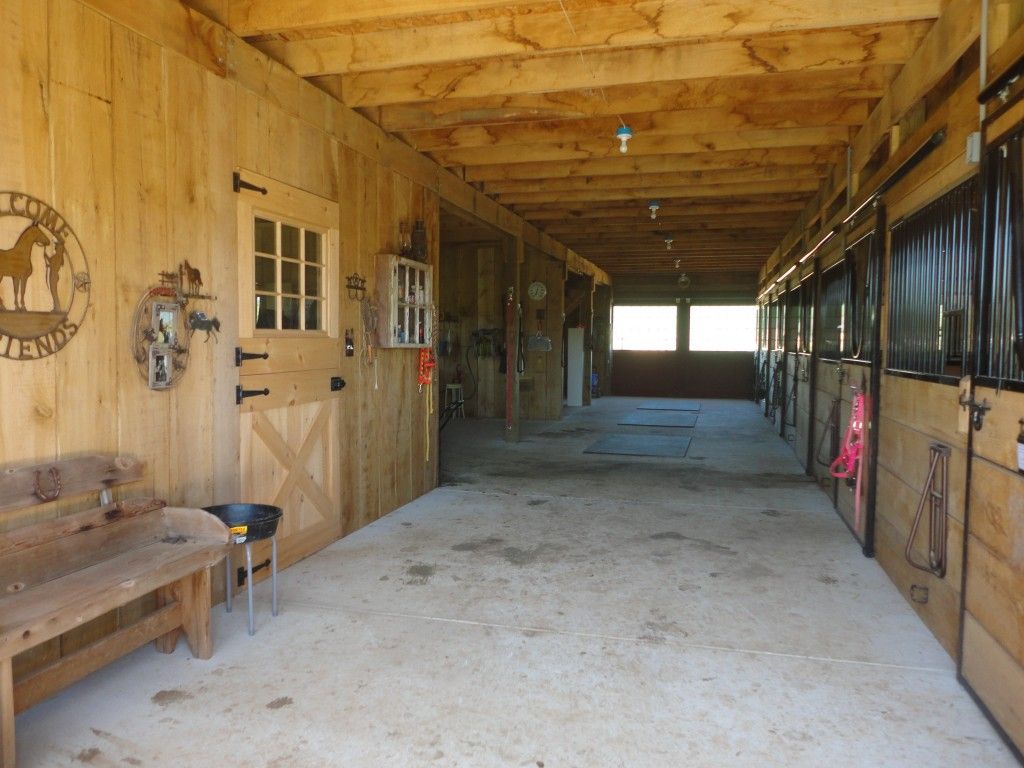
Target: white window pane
{"points": [[644, 328], [723, 328]]}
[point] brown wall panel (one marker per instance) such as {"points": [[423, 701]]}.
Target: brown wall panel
{"points": [[683, 374]]}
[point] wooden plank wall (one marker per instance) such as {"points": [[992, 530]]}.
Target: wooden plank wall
{"points": [[474, 278], [541, 382], [135, 142], [471, 294]]}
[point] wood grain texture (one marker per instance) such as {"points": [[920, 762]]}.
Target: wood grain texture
{"points": [[18, 484], [32, 689], [768, 54], [995, 676], [792, 88], [593, 29]]}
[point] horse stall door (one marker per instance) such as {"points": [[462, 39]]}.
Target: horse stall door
{"points": [[992, 660], [992, 641], [289, 366]]}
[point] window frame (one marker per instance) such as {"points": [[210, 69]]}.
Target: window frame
{"points": [[303, 264], [673, 307], [291, 206], [689, 328]]}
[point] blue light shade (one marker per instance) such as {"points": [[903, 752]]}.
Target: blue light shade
{"points": [[624, 134]]}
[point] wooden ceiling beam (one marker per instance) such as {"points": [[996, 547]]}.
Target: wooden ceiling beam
{"points": [[785, 52], [643, 194], [853, 83], [774, 228], [605, 27], [247, 18], [630, 181], [548, 212], [757, 252], [699, 143], [640, 164], [678, 123]]}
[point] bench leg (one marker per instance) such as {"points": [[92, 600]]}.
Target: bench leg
{"points": [[194, 593], [6, 713], [168, 642]]}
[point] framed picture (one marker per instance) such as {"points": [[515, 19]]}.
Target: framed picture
{"points": [[165, 323], [161, 362]]}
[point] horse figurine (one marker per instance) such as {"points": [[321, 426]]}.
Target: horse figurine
{"points": [[192, 277], [198, 321], [16, 262]]}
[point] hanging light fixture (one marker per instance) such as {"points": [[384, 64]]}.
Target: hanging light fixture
{"points": [[668, 242], [624, 134], [654, 205], [684, 281], [678, 262]]}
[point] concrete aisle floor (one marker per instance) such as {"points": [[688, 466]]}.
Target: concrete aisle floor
{"points": [[551, 608]]}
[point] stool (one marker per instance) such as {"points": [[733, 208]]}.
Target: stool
{"points": [[249, 523], [453, 394], [248, 580]]}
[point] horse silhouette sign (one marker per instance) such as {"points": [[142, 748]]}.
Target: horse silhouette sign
{"points": [[44, 279]]}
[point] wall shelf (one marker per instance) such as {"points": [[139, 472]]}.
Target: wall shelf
{"points": [[406, 297]]}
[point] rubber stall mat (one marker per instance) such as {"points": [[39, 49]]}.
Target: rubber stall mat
{"points": [[641, 445], [670, 405], [661, 419]]}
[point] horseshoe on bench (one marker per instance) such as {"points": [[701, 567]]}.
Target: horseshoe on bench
{"points": [[54, 492]]}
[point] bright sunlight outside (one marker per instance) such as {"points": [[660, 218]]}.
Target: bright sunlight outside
{"points": [[723, 328], [644, 328]]}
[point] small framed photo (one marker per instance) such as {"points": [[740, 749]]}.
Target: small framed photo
{"points": [[161, 363], [165, 323]]}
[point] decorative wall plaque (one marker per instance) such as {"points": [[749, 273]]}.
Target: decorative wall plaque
{"points": [[44, 278]]}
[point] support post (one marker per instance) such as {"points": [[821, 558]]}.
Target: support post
{"points": [[515, 255], [6, 713], [194, 594], [168, 642], [587, 321]]}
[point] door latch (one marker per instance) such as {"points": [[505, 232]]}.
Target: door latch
{"points": [[976, 409]]}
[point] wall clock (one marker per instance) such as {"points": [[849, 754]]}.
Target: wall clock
{"points": [[537, 290]]}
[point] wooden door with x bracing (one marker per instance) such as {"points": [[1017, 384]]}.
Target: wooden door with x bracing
{"points": [[289, 364]]}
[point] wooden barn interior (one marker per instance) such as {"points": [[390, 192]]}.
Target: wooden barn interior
{"points": [[431, 303]]}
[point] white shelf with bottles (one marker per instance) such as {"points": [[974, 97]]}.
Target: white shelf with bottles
{"points": [[406, 302]]}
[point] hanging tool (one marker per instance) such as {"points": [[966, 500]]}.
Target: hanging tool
{"points": [[935, 494]]}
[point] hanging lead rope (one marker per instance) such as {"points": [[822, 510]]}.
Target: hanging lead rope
{"points": [[425, 378], [846, 465]]}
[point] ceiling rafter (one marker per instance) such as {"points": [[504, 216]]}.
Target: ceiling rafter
{"points": [[851, 83], [599, 28]]}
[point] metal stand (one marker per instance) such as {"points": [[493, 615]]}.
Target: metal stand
{"points": [[248, 580]]}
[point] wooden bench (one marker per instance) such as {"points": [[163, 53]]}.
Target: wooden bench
{"points": [[59, 574]]}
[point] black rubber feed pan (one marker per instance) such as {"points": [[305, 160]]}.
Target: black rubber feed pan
{"points": [[248, 522]]}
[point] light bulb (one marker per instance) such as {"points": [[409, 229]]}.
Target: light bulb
{"points": [[668, 243], [624, 134], [654, 205]]}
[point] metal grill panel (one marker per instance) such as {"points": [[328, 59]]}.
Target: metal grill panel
{"points": [[934, 257]]}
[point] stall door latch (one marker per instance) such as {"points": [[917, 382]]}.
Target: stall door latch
{"points": [[977, 410]]}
